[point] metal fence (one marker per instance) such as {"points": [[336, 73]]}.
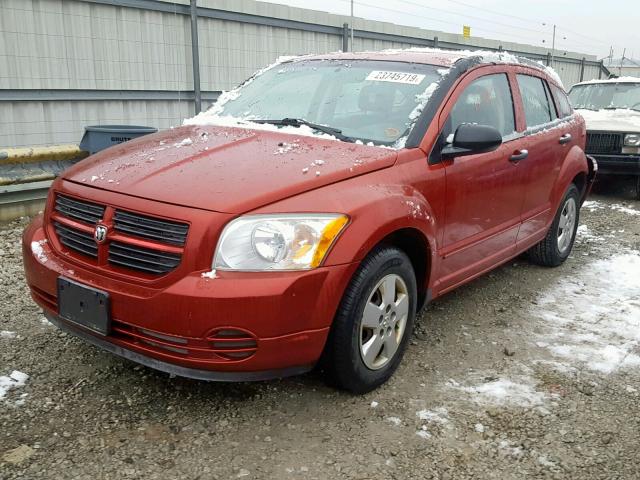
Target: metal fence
{"points": [[72, 63]]}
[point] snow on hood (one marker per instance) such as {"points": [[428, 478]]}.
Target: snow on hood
{"points": [[226, 170], [618, 120]]}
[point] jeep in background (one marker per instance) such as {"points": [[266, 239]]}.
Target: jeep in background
{"points": [[611, 109]]}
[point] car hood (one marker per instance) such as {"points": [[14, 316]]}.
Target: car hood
{"points": [[619, 120], [231, 170]]}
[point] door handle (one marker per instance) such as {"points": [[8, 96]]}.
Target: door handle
{"points": [[518, 156], [566, 138]]}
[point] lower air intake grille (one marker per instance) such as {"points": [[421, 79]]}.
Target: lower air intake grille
{"points": [[604, 143], [144, 259], [76, 240]]}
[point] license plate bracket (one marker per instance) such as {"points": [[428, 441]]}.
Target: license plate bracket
{"points": [[83, 305]]}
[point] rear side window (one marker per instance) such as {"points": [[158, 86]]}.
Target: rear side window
{"points": [[486, 101], [564, 105], [537, 108]]}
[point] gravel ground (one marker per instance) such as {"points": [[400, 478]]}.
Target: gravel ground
{"points": [[524, 372]]}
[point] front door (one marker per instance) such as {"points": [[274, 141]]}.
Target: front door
{"points": [[483, 192]]}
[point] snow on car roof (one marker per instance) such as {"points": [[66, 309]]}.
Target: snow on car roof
{"points": [[435, 56], [611, 80]]}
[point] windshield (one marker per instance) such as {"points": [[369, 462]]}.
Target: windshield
{"points": [[371, 101], [599, 96]]}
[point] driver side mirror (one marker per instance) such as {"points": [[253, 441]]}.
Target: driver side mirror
{"points": [[471, 139]]}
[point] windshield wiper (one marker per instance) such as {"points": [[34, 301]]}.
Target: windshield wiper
{"points": [[298, 122]]}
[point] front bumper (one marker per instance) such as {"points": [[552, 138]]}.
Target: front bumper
{"points": [[618, 164], [286, 315]]}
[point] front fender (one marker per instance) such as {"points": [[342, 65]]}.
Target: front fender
{"points": [[574, 164], [389, 209]]}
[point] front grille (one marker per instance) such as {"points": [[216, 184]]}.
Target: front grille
{"points": [[145, 259], [79, 210], [604, 143], [73, 222], [77, 240], [153, 228]]}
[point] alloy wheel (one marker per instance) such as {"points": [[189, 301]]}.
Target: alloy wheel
{"points": [[384, 321], [566, 225]]}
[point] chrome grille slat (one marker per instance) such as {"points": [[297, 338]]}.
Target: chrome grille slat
{"points": [[76, 240], [140, 225], [84, 211], [142, 258]]}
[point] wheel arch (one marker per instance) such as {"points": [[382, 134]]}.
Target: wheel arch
{"points": [[575, 168]]}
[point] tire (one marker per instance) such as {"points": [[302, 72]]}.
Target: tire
{"points": [[554, 250], [357, 357]]}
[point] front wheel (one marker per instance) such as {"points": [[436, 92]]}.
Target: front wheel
{"points": [[557, 245], [374, 322]]}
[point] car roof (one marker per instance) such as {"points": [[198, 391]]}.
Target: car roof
{"points": [[435, 56], [611, 80]]}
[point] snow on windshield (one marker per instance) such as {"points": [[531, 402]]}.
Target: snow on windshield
{"points": [[372, 102], [606, 95]]}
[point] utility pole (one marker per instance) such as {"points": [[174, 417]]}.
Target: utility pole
{"points": [[553, 47], [352, 49], [624, 52], [195, 55]]}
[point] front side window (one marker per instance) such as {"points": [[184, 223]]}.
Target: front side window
{"points": [[376, 101], [486, 101], [537, 108]]}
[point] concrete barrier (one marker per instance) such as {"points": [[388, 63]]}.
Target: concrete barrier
{"points": [[39, 154], [27, 173]]}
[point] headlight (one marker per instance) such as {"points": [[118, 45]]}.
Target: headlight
{"points": [[632, 140], [277, 242]]}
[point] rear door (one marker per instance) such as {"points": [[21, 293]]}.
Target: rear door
{"points": [[484, 191], [547, 139]]}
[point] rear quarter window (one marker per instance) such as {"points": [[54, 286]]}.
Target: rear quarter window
{"points": [[537, 107], [564, 105]]}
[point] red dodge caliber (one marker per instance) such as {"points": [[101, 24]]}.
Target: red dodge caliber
{"points": [[310, 213]]}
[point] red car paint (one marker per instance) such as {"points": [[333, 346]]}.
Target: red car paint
{"points": [[459, 218]]}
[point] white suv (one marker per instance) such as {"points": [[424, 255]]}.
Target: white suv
{"points": [[611, 109]]}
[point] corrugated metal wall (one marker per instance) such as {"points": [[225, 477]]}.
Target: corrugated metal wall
{"points": [[65, 63]]}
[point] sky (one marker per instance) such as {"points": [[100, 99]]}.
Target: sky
{"points": [[585, 26]]}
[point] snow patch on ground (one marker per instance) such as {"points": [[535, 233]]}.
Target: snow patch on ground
{"points": [[505, 392], [395, 421], [508, 448], [15, 379], [625, 209], [438, 416], [593, 317], [592, 205]]}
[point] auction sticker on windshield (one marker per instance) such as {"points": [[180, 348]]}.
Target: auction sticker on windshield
{"points": [[396, 77]]}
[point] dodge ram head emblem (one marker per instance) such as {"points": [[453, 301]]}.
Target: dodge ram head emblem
{"points": [[100, 234]]}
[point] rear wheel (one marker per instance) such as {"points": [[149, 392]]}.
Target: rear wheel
{"points": [[557, 245], [374, 322]]}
